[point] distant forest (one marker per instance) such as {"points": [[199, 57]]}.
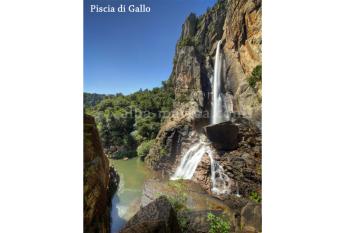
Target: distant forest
{"points": [[128, 124]]}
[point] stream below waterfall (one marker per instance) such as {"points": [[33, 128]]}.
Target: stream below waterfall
{"points": [[126, 201], [134, 176]]}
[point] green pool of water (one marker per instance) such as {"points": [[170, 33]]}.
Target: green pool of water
{"points": [[126, 202], [133, 176]]}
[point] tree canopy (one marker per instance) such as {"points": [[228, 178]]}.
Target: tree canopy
{"points": [[127, 121]]}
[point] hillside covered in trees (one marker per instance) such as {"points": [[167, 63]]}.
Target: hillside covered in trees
{"points": [[128, 124]]}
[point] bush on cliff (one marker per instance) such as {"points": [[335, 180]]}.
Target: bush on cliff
{"points": [[255, 76], [254, 196], [144, 147], [187, 41]]}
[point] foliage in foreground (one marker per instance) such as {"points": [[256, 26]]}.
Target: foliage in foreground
{"points": [[218, 224], [179, 203]]}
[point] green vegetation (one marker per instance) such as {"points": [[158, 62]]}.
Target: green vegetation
{"points": [[218, 224], [254, 196], [255, 77], [92, 99], [129, 123], [144, 147], [187, 41], [179, 202], [182, 98], [124, 154], [178, 185], [183, 222]]}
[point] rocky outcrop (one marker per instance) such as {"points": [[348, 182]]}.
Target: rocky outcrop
{"points": [[197, 221], [98, 186], [156, 217], [243, 165], [114, 180], [203, 173], [224, 136]]}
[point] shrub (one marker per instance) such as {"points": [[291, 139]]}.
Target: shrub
{"points": [[182, 98], [254, 196], [163, 151], [178, 201], [144, 147], [183, 222], [218, 224], [187, 41], [255, 76], [177, 185]]}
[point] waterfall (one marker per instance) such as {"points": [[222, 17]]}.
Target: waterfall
{"points": [[218, 113], [221, 183], [190, 161]]}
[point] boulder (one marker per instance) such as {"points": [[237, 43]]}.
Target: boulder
{"points": [[157, 217], [251, 218], [224, 136], [197, 220]]}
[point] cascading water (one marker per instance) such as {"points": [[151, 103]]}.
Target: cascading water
{"points": [[218, 113], [221, 183], [190, 162]]}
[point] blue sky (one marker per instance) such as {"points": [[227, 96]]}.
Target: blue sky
{"points": [[126, 52]]}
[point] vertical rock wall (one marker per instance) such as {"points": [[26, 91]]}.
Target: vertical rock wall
{"points": [[98, 186]]}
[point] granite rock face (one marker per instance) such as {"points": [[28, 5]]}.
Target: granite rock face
{"points": [[98, 186], [242, 49], [156, 217]]}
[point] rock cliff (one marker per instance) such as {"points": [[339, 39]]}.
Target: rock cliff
{"points": [[100, 181], [237, 23]]}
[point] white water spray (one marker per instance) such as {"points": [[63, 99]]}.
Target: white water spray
{"points": [[189, 162], [221, 183]]}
